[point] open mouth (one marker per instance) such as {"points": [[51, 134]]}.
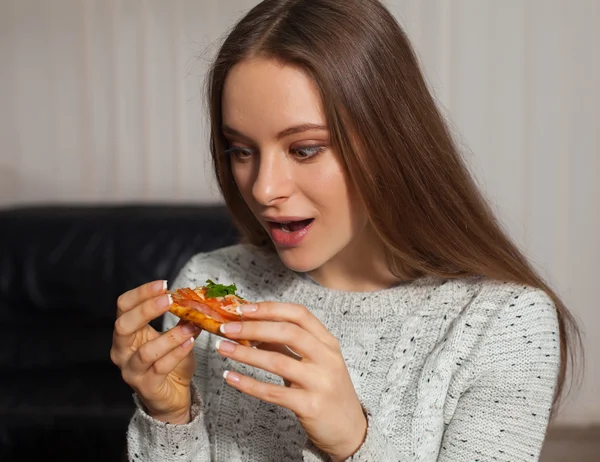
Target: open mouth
{"points": [[294, 226], [289, 233]]}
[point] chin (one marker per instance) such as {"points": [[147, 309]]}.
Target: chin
{"points": [[299, 260]]}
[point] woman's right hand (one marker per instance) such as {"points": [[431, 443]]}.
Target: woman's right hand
{"points": [[158, 366]]}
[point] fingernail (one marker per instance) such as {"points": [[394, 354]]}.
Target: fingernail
{"points": [[246, 308], [189, 328], [164, 301], [225, 346], [159, 286], [189, 341], [230, 328], [231, 376]]}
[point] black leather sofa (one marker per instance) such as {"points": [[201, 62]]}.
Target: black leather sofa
{"points": [[62, 268]]}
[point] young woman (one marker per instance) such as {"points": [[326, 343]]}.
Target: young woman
{"points": [[420, 331]]}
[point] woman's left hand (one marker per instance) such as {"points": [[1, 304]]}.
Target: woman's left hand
{"points": [[320, 391]]}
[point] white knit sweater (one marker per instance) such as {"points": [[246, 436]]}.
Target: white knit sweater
{"points": [[458, 370]]}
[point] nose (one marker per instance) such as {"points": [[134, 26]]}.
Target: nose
{"points": [[273, 181]]}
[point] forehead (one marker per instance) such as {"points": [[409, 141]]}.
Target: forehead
{"points": [[262, 96]]}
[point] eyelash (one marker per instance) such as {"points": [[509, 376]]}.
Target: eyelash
{"points": [[313, 152]]}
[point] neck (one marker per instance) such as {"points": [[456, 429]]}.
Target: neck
{"points": [[361, 268]]}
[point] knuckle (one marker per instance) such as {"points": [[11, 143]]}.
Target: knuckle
{"points": [[128, 377], [266, 307], [250, 386], [338, 367], [328, 385], [121, 301], [302, 311], [335, 344], [298, 313], [145, 355], [278, 364], [120, 327], [303, 315], [312, 407], [292, 333], [158, 368], [273, 394], [286, 330], [114, 357], [174, 336], [148, 308]]}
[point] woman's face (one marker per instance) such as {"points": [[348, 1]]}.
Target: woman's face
{"points": [[285, 169]]}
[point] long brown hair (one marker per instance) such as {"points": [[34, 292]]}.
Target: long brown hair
{"points": [[392, 140]]}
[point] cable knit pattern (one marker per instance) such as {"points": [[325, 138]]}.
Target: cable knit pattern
{"points": [[447, 370]]}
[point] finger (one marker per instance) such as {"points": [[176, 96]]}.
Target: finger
{"points": [[165, 365], [299, 340], [130, 299], [155, 350], [123, 343], [136, 318], [157, 373], [289, 369], [290, 398], [130, 322], [123, 347], [294, 313], [152, 378], [279, 349]]}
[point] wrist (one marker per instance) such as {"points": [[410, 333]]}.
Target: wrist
{"points": [[353, 444], [181, 417]]}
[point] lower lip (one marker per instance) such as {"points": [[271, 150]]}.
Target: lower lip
{"points": [[288, 239]]}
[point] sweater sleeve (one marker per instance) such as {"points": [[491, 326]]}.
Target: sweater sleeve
{"points": [[503, 415], [376, 446], [149, 439]]}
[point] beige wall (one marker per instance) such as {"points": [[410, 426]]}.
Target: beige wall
{"points": [[100, 101]]}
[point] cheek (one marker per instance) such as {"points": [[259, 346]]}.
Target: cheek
{"points": [[242, 177], [347, 208], [328, 189], [325, 178]]}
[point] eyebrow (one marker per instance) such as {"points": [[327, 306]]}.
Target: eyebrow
{"points": [[282, 134]]}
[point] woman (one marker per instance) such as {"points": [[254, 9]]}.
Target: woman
{"points": [[421, 331]]}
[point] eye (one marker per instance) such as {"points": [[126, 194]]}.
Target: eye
{"points": [[239, 153], [307, 152]]}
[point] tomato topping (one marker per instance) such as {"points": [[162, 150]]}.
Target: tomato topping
{"points": [[224, 307]]}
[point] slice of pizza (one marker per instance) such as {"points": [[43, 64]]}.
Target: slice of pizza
{"points": [[209, 306]]}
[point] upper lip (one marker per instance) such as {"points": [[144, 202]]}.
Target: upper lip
{"points": [[282, 219]]}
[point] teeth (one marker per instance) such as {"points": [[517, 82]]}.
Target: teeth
{"points": [[285, 228]]}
